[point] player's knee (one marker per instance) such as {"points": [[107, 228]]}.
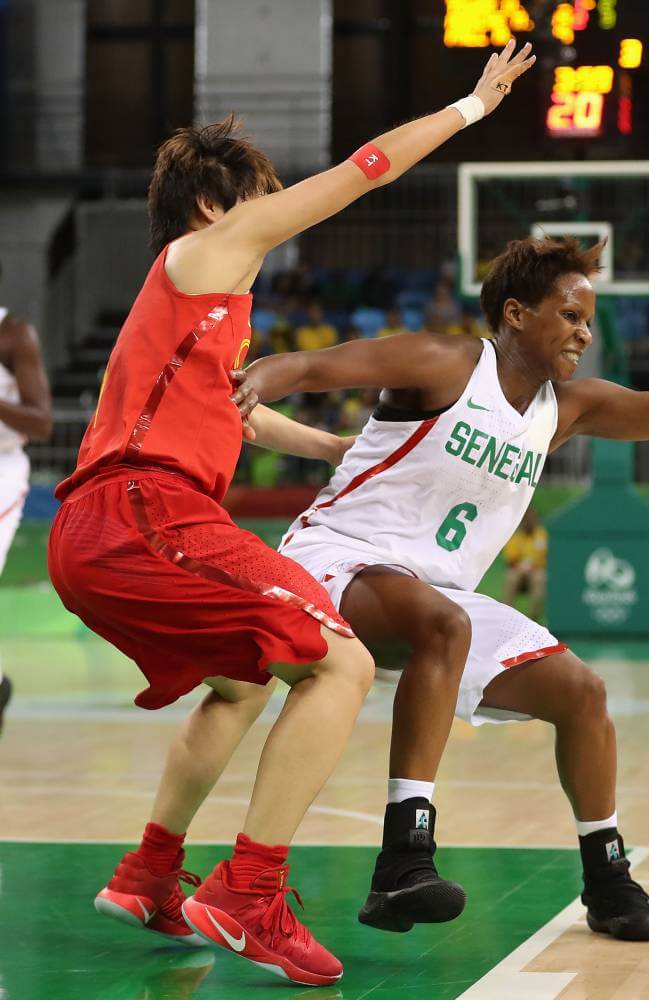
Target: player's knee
{"points": [[257, 699], [351, 663], [590, 697], [347, 662], [361, 667], [582, 697], [444, 632], [251, 698]]}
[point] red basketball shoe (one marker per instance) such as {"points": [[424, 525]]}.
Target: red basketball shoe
{"points": [[258, 924], [153, 902]]}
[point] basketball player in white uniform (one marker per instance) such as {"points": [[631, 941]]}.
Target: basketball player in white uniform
{"points": [[424, 501], [25, 413]]}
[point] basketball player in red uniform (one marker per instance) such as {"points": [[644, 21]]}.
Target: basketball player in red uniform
{"points": [[144, 554]]}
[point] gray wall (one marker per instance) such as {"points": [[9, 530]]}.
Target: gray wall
{"points": [[26, 231], [45, 85], [112, 258], [271, 62]]}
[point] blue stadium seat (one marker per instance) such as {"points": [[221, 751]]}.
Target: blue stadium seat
{"points": [[263, 320], [368, 320], [413, 318], [413, 299]]}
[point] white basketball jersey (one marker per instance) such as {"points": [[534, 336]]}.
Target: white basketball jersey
{"points": [[442, 495], [9, 393]]}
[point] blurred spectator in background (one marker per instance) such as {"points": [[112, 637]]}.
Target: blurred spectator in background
{"points": [[469, 324], [315, 333], [444, 303], [434, 322], [378, 290], [350, 332], [281, 337], [393, 324], [356, 409], [297, 286], [526, 557]]}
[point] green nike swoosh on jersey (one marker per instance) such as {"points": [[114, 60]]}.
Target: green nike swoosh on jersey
{"points": [[476, 406]]}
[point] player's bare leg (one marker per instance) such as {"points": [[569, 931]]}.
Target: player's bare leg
{"points": [[203, 746], [242, 905], [145, 890], [432, 636], [562, 690], [308, 737]]}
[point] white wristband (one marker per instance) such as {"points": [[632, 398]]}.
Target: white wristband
{"points": [[471, 108]]}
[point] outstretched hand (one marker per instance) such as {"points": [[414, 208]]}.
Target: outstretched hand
{"points": [[500, 72]]}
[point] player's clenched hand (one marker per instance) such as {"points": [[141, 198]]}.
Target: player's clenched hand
{"points": [[500, 72], [245, 399]]}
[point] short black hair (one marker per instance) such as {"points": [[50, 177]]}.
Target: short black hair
{"points": [[528, 269], [216, 161]]}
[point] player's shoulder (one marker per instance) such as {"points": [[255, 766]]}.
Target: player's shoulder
{"points": [[18, 337], [458, 348], [13, 324], [445, 364]]}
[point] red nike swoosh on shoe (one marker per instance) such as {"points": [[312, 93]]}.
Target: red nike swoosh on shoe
{"points": [[237, 944]]}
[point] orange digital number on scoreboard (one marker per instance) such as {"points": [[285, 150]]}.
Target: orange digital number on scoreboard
{"points": [[577, 79], [475, 24], [575, 114]]}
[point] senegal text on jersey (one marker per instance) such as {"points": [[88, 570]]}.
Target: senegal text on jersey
{"points": [[502, 459]]}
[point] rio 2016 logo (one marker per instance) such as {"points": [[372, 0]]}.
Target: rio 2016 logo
{"points": [[610, 592]]}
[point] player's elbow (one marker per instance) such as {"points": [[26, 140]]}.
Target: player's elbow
{"points": [[42, 428]]}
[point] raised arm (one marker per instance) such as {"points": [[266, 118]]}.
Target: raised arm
{"points": [[601, 409], [32, 416], [263, 223]]}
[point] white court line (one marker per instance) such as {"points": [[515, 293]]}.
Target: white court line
{"points": [[81, 792], [508, 981]]}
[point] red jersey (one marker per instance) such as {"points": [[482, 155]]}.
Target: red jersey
{"points": [[165, 399]]}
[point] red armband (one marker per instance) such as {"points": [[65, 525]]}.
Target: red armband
{"points": [[371, 160]]}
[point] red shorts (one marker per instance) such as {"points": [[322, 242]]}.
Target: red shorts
{"points": [[162, 572]]}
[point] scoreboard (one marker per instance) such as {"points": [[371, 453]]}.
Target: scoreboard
{"points": [[587, 96], [590, 82]]}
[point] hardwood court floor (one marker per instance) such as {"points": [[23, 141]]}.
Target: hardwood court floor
{"points": [[78, 763]]}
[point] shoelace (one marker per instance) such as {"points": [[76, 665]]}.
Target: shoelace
{"points": [[172, 906], [278, 917]]}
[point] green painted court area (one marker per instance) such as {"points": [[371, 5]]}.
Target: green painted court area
{"points": [[55, 945]]}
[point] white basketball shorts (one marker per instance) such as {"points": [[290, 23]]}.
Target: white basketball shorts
{"points": [[14, 484], [502, 637]]}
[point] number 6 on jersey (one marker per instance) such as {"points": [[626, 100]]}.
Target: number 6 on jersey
{"points": [[452, 531]]}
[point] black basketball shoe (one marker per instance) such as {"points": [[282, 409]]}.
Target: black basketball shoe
{"points": [[616, 904], [5, 695], [406, 887]]}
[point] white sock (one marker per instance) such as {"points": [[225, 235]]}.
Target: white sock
{"points": [[400, 789], [591, 825]]}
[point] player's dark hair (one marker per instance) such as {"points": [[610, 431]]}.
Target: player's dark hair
{"points": [[528, 269], [214, 161]]}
